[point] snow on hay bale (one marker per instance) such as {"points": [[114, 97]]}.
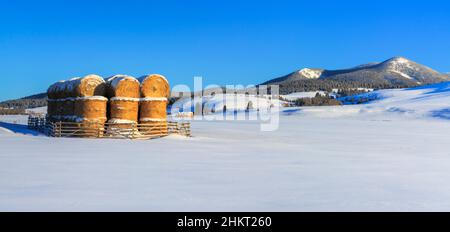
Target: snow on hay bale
{"points": [[155, 90], [124, 93]]}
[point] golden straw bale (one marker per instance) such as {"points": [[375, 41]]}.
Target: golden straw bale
{"points": [[126, 110], [91, 115], [123, 116], [153, 109], [154, 85], [89, 86], [91, 108], [123, 86], [153, 116]]}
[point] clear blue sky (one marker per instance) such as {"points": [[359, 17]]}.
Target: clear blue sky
{"points": [[226, 42]]}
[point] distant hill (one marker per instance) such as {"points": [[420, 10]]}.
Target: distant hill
{"points": [[33, 101], [397, 72]]}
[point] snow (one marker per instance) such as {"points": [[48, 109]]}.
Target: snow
{"points": [[121, 121], [98, 98], [124, 99], [310, 73], [65, 85], [232, 102], [38, 110], [152, 119], [401, 60], [154, 99], [389, 155], [143, 78], [402, 74], [298, 95], [418, 103]]}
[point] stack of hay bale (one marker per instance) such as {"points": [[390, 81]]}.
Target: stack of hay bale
{"points": [[155, 91], [68, 104], [90, 103], [124, 93], [83, 101], [61, 101], [53, 106]]}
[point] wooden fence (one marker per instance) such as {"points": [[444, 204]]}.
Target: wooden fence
{"points": [[109, 130], [36, 122]]}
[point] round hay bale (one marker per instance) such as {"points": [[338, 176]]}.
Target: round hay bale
{"points": [[91, 108], [51, 107], [124, 109], [68, 105], [88, 86], [51, 91], [55, 90], [123, 86], [90, 115], [153, 108], [58, 110], [123, 115], [153, 116], [154, 85], [70, 86]]}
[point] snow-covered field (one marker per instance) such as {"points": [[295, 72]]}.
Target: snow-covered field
{"points": [[389, 155]]}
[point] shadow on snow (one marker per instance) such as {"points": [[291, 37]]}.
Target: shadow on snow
{"points": [[19, 129]]}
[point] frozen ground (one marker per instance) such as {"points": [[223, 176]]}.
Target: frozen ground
{"points": [[390, 155]]}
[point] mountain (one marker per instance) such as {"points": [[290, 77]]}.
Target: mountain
{"points": [[397, 72], [32, 101]]}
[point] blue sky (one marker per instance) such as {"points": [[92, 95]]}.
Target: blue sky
{"points": [[226, 42]]}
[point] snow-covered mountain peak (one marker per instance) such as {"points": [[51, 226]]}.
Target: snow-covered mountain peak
{"points": [[400, 60], [311, 73], [399, 63]]}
